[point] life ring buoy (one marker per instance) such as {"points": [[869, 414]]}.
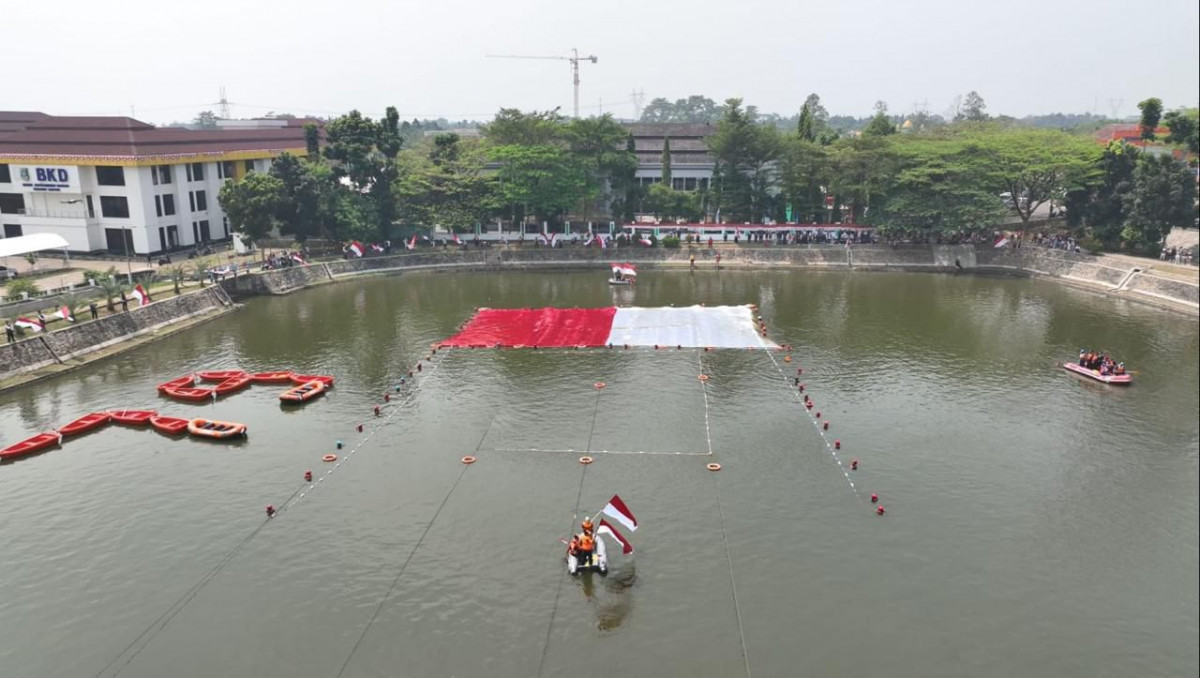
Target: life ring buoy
{"points": [[468, 459], [329, 457], [787, 358], [713, 467], [585, 460], [703, 377], [599, 385]]}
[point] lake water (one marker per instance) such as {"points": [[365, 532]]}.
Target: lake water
{"points": [[1037, 524]]}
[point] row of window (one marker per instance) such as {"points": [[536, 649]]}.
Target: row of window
{"points": [[678, 184], [112, 175]]}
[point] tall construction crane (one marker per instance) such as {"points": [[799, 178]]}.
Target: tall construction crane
{"points": [[574, 59]]}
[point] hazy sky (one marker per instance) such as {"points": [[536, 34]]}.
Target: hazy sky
{"points": [[168, 59]]}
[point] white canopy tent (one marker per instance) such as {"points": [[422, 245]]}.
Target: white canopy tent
{"points": [[22, 245]]}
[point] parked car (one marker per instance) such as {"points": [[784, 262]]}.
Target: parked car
{"points": [[7, 273]]}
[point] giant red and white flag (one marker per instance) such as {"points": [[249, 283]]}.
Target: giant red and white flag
{"points": [[30, 324], [605, 528], [356, 248], [618, 511], [142, 296]]}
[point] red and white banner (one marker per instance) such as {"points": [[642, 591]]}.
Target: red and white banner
{"points": [[65, 313], [30, 324], [1000, 242], [411, 244], [626, 269], [603, 242], [299, 259], [142, 296], [646, 241], [548, 239], [618, 511], [691, 326], [454, 236], [355, 248], [605, 528]]}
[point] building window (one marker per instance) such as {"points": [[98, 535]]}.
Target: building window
{"points": [[201, 201], [110, 176], [12, 203], [225, 170], [12, 230], [689, 183], [224, 227], [195, 171], [114, 206], [168, 202], [195, 233], [158, 205], [704, 184], [5, 175], [249, 164], [160, 174], [205, 236], [677, 184], [192, 201]]}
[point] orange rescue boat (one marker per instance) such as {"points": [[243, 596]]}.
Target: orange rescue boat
{"points": [[304, 392], [169, 425], [180, 382], [189, 393], [271, 377], [217, 430], [219, 375], [232, 384], [299, 379]]}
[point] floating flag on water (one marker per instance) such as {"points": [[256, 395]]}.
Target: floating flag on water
{"points": [[30, 324], [142, 296], [605, 528], [618, 511]]}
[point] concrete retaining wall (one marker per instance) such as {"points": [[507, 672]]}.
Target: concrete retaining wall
{"points": [[78, 341]]}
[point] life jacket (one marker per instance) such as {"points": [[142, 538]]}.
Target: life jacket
{"points": [[573, 547], [586, 544]]}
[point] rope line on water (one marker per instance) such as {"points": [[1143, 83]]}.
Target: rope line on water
{"points": [[704, 390], [598, 452], [143, 639], [737, 608], [562, 578], [817, 425]]}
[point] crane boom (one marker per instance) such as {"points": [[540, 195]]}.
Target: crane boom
{"points": [[574, 59]]}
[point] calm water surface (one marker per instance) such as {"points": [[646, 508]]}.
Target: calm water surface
{"points": [[1037, 524]]}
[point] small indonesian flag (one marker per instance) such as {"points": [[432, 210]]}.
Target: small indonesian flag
{"points": [[299, 259], [590, 239], [454, 236], [618, 511], [603, 242], [624, 269], [355, 248], [646, 241], [65, 313], [30, 324], [377, 247], [411, 244], [605, 528], [1001, 242], [141, 295], [548, 238]]}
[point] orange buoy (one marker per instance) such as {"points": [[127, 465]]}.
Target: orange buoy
{"points": [[377, 410], [387, 397], [468, 459], [808, 404], [787, 358], [599, 385], [329, 457], [802, 387], [818, 414], [270, 510], [703, 377], [585, 460], [713, 467]]}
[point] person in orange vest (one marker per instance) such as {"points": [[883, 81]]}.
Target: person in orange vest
{"points": [[586, 545], [573, 547]]}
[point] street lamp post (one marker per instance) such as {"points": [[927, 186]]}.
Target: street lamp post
{"points": [[126, 235]]}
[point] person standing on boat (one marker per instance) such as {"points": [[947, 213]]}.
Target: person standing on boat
{"points": [[587, 543], [1083, 357]]}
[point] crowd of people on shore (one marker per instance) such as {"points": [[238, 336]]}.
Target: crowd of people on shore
{"points": [[1056, 242], [1177, 255], [1100, 362]]}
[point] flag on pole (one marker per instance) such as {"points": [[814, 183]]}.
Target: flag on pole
{"points": [[299, 259], [618, 511], [605, 528], [646, 241], [603, 242], [411, 244], [355, 248], [30, 324], [142, 296], [454, 236], [1001, 242], [65, 313], [590, 239]]}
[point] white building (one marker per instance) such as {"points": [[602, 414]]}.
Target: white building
{"points": [[121, 185]]}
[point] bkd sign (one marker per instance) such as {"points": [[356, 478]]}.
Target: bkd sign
{"points": [[52, 179]]}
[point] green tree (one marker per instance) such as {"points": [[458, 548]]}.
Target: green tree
{"points": [[366, 153], [253, 204], [745, 154], [939, 184], [1162, 197], [880, 125], [512, 127], [859, 173], [600, 146], [803, 169], [694, 109], [541, 180], [1185, 128], [1101, 207], [205, 120], [305, 208], [666, 162], [1033, 166], [667, 203], [625, 187], [973, 108], [312, 140], [1151, 114], [442, 184]]}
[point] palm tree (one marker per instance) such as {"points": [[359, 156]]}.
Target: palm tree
{"points": [[199, 268], [112, 288], [176, 273]]}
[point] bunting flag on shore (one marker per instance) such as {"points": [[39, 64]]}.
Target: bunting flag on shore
{"points": [[548, 239], [142, 296], [605, 528], [646, 241], [377, 247], [590, 239], [411, 244], [299, 259], [603, 242], [30, 324], [356, 248], [690, 326], [65, 313]]}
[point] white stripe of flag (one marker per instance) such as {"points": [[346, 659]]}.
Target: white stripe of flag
{"points": [[618, 511], [605, 528]]}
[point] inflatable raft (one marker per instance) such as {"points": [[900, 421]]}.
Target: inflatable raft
{"points": [[599, 561], [271, 377], [37, 443], [89, 422], [232, 384], [189, 393], [133, 417], [220, 375], [304, 392], [171, 426], [1095, 374], [299, 379], [217, 430]]}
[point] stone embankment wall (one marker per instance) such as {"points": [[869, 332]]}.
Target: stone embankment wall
{"points": [[75, 342], [1080, 270]]}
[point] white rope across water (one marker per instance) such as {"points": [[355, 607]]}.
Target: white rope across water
{"points": [[568, 450], [704, 390], [817, 424]]}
